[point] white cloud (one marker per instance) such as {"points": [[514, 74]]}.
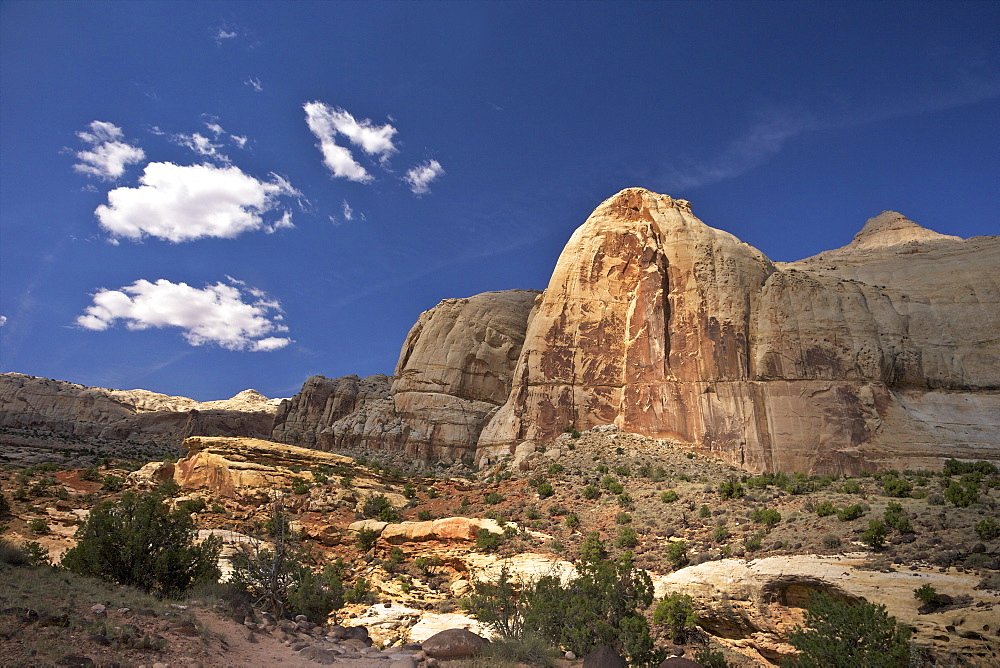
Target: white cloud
{"points": [[201, 145], [108, 155], [420, 177], [3, 320], [215, 128], [254, 82], [376, 140], [223, 33], [183, 203], [240, 142], [348, 211], [217, 314]]}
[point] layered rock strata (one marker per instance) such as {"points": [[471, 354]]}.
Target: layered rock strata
{"points": [[454, 370], [884, 353], [28, 402]]}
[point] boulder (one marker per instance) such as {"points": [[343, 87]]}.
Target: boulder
{"points": [[454, 644], [604, 657], [881, 354]]}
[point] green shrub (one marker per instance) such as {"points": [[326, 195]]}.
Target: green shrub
{"points": [[955, 467], [852, 512], [492, 498], [359, 592], [962, 495], [556, 469], [767, 516], [557, 510], [545, 490], [830, 541], [720, 533], [600, 606], [927, 595], [410, 492], [676, 613], [424, 515], [874, 535], [851, 487], [90, 474], [13, 555], [377, 505], [37, 555], [627, 537], [591, 492], [316, 595], [366, 539], [112, 483], [987, 529], [677, 553], [299, 486], [624, 500], [896, 487], [825, 508], [487, 541], [623, 470], [710, 658], [140, 543], [731, 490], [753, 544], [572, 521], [669, 496], [623, 518], [38, 526], [704, 511], [837, 633]]}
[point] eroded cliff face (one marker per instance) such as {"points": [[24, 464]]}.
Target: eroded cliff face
{"points": [[119, 415], [883, 353], [454, 370]]}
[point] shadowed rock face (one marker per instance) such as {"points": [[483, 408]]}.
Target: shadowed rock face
{"points": [[883, 353], [119, 415], [454, 370]]}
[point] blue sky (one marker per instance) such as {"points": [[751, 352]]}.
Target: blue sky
{"points": [[200, 197]]}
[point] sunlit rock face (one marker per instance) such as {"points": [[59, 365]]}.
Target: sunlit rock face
{"points": [[454, 370], [883, 353]]}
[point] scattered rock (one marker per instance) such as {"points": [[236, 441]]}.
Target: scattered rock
{"points": [[604, 657], [454, 644]]}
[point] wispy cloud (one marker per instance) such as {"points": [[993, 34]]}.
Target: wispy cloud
{"points": [[254, 82], [231, 315], [108, 154], [348, 211], [225, 33], [201, 145], [766, 136], [420, 177], [326, 122], [182, 203]]}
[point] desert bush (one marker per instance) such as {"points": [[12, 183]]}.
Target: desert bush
{"points": [[720, 533], [616, 488], [627, 538], [677, 553], [874, 535], [767, 516], [545, 490], [591, 492], [378, 506], [852, 512], [492, 498], [299, 486], [895, 518], [112, 483], [4, 506], [600, 606], [623, 518], [896, 487], [572, 521], [90, 474], [987, 529], [487, 541], [140, 543], [38, 526], [710, 658], [731, 490], [830, 541], [669, 496], [624, 500], [704, 511], [410, 492], [676, 613], [927, 595], [825, 508], [935, 500], [424, 515], [366, 539], [962, 495], [753, 544], [12, 555], [851, 487], [837, 633], [558, 510], [955, 467], [556, 469]]}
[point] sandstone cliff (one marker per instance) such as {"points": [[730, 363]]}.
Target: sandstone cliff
{"points": [[88, 413], [884, 353], [454, 370]]}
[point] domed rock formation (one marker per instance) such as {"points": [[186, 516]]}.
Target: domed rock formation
{"points": [[881, 354]]}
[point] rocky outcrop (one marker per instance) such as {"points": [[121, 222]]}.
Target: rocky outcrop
{"points": [[756, 604], [28, 402], [883, 353], [443, 529], [454, 370]]}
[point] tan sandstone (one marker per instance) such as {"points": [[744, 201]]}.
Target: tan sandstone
{"points": [[882, 354]]}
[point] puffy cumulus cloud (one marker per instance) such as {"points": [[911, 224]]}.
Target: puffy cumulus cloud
{"points": [[183, 203], [326, 122], [231, 315], [420, 177], [108, 154]]}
